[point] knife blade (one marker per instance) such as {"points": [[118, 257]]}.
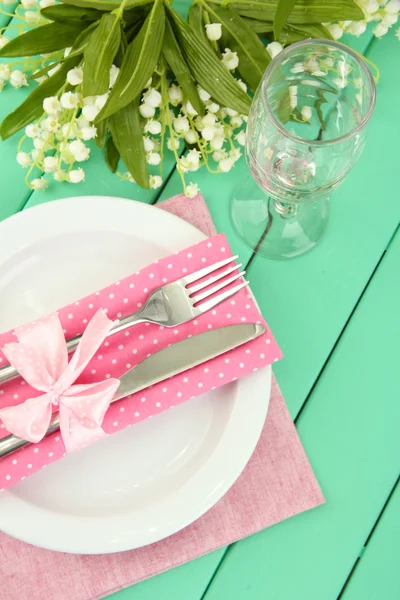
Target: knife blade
{"points": [[165, 363]]}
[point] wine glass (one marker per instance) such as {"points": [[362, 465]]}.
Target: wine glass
{"points": [[305, 131]]}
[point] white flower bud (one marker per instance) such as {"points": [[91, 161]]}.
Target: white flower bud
{"points": [[60, 175], [172, 144], [38, 184], [155, 182], [340, 82], [29, 3], [390, 20], [67, 52], [31, 17], [3, 41], [23, 159], [380, 30], [274, 48], [69, 100], [153, 127], [242, 85], [335, 30], [90, 112], [153, 158], [198, 122], [46, 3], [152, 98], [114, 72], [205, 96], [357, 27], [392, 7], [190, 137], [214, 31], [191, 190], [175, 95], [230, 59], [217, 143], [5, 72], [50, 164], [209, 120], [76, 175], [147, 111], [241, 138], [193, 156], [231, 112], [298, 68], [306, 113], [50, 124], [78, 150], [51, 105], [371, 7], [88, 133], [225, 165], [190, 110], [148, 84], [213, 107], [32, 130], [75, 76], [39, 143], [35, 154], [208, 133], [181, 124], [148, 144], [235, 154], [100, 101], [236, 122], [18, 79]]}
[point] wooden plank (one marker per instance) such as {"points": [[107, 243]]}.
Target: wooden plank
{"points": [[186, 582], [307, 300], [377, 572], [350, 431]]}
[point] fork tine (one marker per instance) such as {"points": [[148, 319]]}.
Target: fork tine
{"points": [[210, 280], [215, 288], [205, 306], [207, 270]]}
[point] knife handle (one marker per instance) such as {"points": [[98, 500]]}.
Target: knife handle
{"points": [[9, 372], [11, 443]]}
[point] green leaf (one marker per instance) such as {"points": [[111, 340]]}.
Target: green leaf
{"points": [[32, 108], [206, 68], [139, 62], [283, 10], [106, 5], [303, 12], [128, 138], [196, 20], [63, 13], [240, 38], [99, 55], [259, 26], [111, 155], [178, 66], [295, 33], [43, 40], [101, 135]]}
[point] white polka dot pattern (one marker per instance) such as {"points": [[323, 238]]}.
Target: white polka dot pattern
{"points": [[122, 350]]}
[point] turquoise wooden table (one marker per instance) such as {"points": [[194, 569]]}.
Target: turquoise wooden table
{"points": [[335, 313]]}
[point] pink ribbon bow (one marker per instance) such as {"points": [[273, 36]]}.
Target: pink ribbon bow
{"points": [[41, 357]]}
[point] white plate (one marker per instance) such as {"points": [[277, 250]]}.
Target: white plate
{"points": [[149, 481]]}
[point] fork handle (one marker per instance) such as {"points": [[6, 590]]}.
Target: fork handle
{"points": [[9, 372]]}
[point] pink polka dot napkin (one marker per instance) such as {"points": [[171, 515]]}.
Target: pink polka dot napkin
{"points": [[123, 350], [277, 483]]}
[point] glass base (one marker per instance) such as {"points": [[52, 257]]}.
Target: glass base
{"points": [[273, 229]]}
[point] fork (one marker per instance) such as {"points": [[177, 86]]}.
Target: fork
{"points": [[174, 303]]}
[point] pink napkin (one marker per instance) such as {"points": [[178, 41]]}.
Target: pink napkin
{"points": [[277, 483], [118, 354]]}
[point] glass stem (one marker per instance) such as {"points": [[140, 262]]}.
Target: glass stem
{"points": [[285, 210]]}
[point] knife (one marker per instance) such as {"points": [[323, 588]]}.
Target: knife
{"points": [[165, 363]]}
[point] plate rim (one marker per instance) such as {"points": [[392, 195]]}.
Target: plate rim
{"points": [[262, 376]]}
